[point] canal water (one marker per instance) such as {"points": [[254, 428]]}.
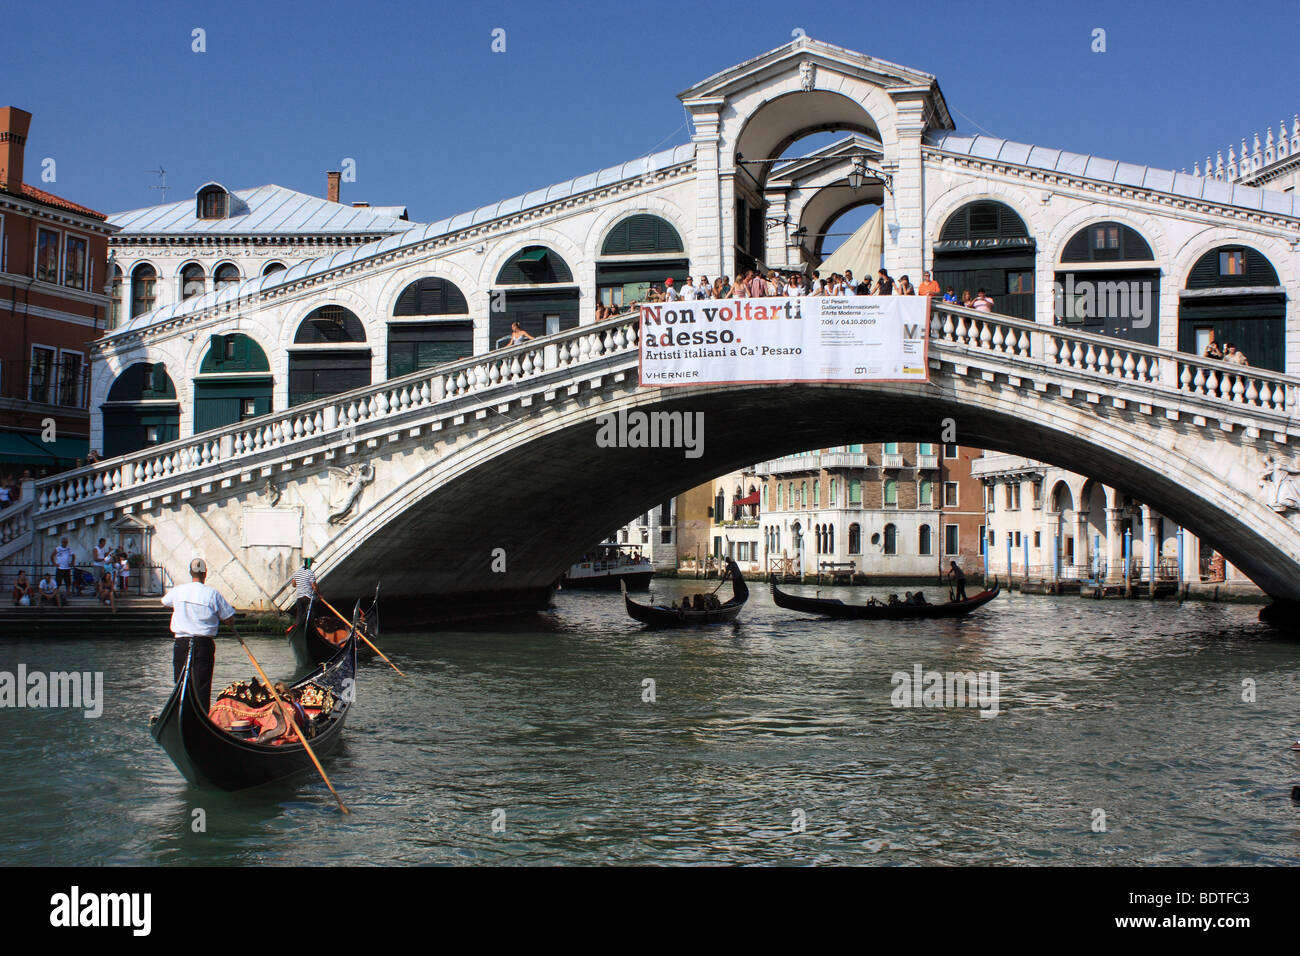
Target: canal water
{"points": [[1121, 737]]}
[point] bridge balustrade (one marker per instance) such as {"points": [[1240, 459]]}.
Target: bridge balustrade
{"points": [[955, 331]]}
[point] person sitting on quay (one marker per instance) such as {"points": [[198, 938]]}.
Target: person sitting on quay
{"points": [[104, 592], [24, 593], [50, 593]]}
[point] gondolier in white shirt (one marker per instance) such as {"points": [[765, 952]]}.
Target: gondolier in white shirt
{"points": [[197, 613], [304, 582]]}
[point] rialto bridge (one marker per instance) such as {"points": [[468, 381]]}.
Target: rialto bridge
{"points": [[370, 377], [471, 486]]}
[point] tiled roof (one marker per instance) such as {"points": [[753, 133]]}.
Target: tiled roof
{"points": [[58, 202], [412, 236], [265, 210], [1124, 174]]}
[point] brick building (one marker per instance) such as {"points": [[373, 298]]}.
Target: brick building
{"points": [[53, 255]]}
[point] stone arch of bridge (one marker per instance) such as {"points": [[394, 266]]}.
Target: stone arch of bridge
{"points": [[436, 531]]}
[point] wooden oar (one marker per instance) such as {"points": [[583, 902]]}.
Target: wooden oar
{"points": [[360, 635], [287, 714]]}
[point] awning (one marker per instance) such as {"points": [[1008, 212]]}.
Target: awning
{"points": [[19, 448], [751, 499], [532, 255]]}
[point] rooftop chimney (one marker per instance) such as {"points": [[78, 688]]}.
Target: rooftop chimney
{"points": [[332, 194], [14, 124]]}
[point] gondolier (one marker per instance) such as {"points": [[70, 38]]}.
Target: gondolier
{"points": [[304, 582], [960, 576], [197, 613]]}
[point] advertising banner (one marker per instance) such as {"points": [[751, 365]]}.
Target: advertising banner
{"points": [[799, 339]]}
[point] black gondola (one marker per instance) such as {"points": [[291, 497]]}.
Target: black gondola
{"points": [[310, 642], [833, 607], [209, 757], [659, 615]]}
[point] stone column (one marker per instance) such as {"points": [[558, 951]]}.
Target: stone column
{"points": [[778, 234], [905, 207], [1082, 546], [1150, 548], [708, 252], [1114, 544]]}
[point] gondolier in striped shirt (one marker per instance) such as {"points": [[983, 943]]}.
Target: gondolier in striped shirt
{"points": [[304, 581], [197, 613]]}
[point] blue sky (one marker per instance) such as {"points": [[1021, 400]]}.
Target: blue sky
{"points": [[436, 121]]}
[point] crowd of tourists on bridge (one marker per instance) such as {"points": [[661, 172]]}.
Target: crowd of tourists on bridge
{"points": [[758, 283]]}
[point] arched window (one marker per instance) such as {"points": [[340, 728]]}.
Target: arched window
{"points": [[233, 384], [891, 493], [192, 283], [985, 244], [855, 491], [115, 298], [324, 368], [273, 267], [226, 275], [832, 490], [638, 252], [925, 494], [803, 494], [1122, 300], [1106, 242], [765, 497], [720, 506], [816, 498], [830, 539], [855, 538], [1238, 300], [542, 299], [641, 234], [144, 292], [789, 494], [778, 496], [923, 540], [213, 202], [419, 345], [891, 539], [141, 410]]}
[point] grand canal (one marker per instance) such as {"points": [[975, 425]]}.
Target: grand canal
{"points": [[540, 727]]}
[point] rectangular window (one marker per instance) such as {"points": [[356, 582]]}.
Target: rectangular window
{"points": [[47, 255], [925, 448], [951, 539], [1105, 237], [891, 448], [949, 451], [1008, 488], [1016, 539], [42, 375], [855, 492], [1015, 496], [1232, 263], [1038, 539], [980, 538], [1038, 494], [74, 263], [832, 491], [1020, 283], [891, 493], [666, 536], [70, 379], [950, 494], [993, 538]]}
